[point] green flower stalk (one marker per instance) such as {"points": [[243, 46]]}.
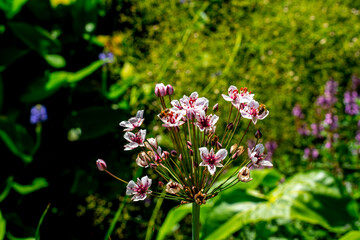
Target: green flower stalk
{"points": [[200, 154]]}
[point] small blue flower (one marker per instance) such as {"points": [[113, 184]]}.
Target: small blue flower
{"points": [[38, 114], [107, 56]]}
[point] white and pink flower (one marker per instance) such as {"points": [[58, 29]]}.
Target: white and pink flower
{"points": [[140, 189], [192, 105], [135, 140], [253, 111], [133, 122], [212, 160], [173, 118], [238, 98], [206, 123], [257, 157]]}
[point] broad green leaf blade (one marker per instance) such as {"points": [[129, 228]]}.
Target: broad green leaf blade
{"points": [[352, 235], [306, 197], [55, 60], [172, 219], [2, 227], [11, 7], [36, 184], [37, 38]]}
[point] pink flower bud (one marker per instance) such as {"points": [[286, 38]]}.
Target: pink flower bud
{"points": [[173, 153], [191, 152], [169, 90], [215, 107], [258, 134], [160, 184], [166, 154], [230, 126], [160, 90], [189, 144], [101, 164], [180, 157]]}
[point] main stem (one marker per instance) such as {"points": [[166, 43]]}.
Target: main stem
{"points": [[195, 221]]}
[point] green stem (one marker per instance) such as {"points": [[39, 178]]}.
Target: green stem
{"points": [[151, 224], [195, 221]]}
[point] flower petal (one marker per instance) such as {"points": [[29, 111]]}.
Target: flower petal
{"points": [[221, 154], [130, 187], [226, 98], [259, 148], [131, 146], [128, 136], [265, 163], [212, 169], [204, 152], [146, 181], [140, 114]]}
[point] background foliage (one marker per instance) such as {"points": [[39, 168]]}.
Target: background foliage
{"points": [[283, 51]]}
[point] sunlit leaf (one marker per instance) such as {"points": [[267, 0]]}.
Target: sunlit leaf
{"points": [[2, 226], [11, 7], [13, 148], [7, 188], [352, 235], [37, 183], [172, 220], [11, 237], [55, 61]]}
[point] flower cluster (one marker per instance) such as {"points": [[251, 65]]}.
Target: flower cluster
{"points": [[199, 155]]}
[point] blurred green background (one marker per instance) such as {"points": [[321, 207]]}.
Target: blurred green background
{"points": [[94, 63]]}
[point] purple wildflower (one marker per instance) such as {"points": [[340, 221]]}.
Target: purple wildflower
{"points": [[316, 129], [351, 107], [331, 121], [38, 114], [303, 130], [296, 112], [313, 153], [107, 56], [328, 99]]}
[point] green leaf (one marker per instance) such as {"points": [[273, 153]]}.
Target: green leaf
{"points": [[11, 7], [55, 61], [7, 188], [36, 184], [119, 88], [35, 37], [42, 89], [172, 219], [306, 196], [2, 227], [352, 235], [13, 148], [37, 233], [11, 237]]}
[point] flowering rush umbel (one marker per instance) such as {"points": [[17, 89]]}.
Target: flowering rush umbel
{"points": [[200, 153]]}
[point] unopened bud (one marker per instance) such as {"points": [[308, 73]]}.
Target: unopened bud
{"points": [[218, 145], [160, 90], [153, 165], [233, 148], [160, 184], [258, 134], [173, 153], [214, 140], [189, 144], [244, 175], [215, 107], [169, 90], [238, 152], [180, 157], [206, 109], [235, 155], [230, 126], [101, 164], [191, 152], [166, 154]]}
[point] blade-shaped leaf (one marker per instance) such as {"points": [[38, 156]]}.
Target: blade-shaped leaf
{"points": [[11, 7], [172, 220], [352, 235], [36, 184], [2, 227]]}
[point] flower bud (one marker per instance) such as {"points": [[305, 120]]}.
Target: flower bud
{"points": [[160, 184], [173, 187], [230, 126], [173, 153], [101, 164], [166, 154], [244, 175], [218, 145], [151, 144], [169, 90], [191, 152], [238, 152], [258, 134], [215, 107], [153, 165], [143, 160], [206, 109], [180, 157], [189, 144], [160, 90], [233, 148]]}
